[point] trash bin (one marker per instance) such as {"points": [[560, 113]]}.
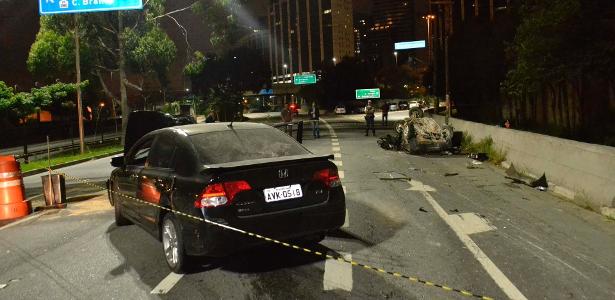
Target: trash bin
{"points": [[54, 190]]}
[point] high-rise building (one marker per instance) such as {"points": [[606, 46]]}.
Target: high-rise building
{"points": [[391, 21], [305, 33]]}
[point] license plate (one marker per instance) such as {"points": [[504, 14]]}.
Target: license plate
{"points": [[283, 193]]}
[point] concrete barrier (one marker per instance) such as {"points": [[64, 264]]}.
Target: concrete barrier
{"points": [[582, 172]]}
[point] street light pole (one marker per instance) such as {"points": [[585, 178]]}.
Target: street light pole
{"points": [[78, 70], [446, 82], [395, 53]]}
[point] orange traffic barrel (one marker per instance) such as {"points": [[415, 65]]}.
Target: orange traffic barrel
{"points": [[12, 204]]}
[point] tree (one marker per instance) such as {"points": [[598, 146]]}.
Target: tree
{"points": [[221, 79], [15, 107], [123, 42], [563, 59]]}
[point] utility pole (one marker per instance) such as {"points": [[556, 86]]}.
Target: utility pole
{"points": [[78, 69], [446, 82]]}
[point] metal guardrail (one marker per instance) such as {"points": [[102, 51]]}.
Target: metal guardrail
{"points": [[25, 156]]}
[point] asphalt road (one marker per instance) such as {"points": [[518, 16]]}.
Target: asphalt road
{"points": [[473, 231]]}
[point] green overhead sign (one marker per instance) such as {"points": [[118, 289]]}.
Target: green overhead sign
{"points": [[304, 79], [367, 94]]}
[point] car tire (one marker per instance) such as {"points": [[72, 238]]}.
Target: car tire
{"points": [[173, 244], [416, 112], [120, 220]]}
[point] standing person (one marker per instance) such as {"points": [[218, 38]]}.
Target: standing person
{"points": [[369, 118], [385, 113], [286, 114], [315, 116]]}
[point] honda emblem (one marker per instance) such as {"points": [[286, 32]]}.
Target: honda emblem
{"points": [[283, 173]]}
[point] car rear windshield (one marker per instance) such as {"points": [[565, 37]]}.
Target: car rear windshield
{"points": [[244, 144]]}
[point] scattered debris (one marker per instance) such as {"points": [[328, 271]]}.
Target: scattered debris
{"points": [[479, 156], [3, 285], [446, 152], [454, 210], [470, 165], [450, 174], [517, 177], [391, 176], [541, 188], [390, 142], [422, 209], [476, 162]]}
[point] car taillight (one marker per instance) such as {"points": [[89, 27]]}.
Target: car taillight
{"points": [[218, 194], [329, 177]]}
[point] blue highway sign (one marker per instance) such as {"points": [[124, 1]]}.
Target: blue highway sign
{"points": [[48, 7]]}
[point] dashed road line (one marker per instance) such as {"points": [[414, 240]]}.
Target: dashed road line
{"points": [[337, 155], [340, 174], [338, 275], [167, 284]]}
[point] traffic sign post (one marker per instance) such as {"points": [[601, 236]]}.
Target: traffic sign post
{"points": [[48, 7], [301, 79], [367, 94]]}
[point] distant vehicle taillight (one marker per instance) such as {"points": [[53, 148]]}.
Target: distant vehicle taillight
{"points": [[329, 177], [292, 106], [218, 194]]}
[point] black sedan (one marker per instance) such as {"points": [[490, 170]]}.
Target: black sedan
{"points": [[244, 175]]}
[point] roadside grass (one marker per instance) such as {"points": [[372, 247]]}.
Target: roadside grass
{"points": [[486, 145], [66, 158]]}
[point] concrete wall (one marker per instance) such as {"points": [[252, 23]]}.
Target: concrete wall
{"points": [[579, 171]]}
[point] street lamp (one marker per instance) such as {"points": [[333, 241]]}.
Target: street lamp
{"points": [[334, 61], [428, 19], [284, 74], [395, 53]]}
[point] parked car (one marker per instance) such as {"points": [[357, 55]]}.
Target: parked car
{"points": [[294, 108], [275, 187], [402, 105], [393, 107], [340, 110]]}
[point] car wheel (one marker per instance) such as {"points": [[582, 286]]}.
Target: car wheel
{"points": [[120, 220], [416, 112], [173, 244]]}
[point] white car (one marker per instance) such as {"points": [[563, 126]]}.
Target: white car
{"points": [[393, 107], [340, 110]]}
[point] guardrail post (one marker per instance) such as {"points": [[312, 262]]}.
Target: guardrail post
{"points": [[300, 132], [25, 154]]}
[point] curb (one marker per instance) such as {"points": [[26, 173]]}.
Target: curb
{"points": [[566, 193], [71, 163]]}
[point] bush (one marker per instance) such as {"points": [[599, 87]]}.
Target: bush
{"points": [[496, 155]]}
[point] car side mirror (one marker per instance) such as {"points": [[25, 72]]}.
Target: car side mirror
{"points": [[117, 161]]}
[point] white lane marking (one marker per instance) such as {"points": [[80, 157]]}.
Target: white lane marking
{"points": [[334, 140], [471, 223], [337, 155], [167, 283], [336, 149], [496, 274], [343, 187], [338, 163], [419, 186], [338, 275], [340, 174], [346, 219], [335, 144]]}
